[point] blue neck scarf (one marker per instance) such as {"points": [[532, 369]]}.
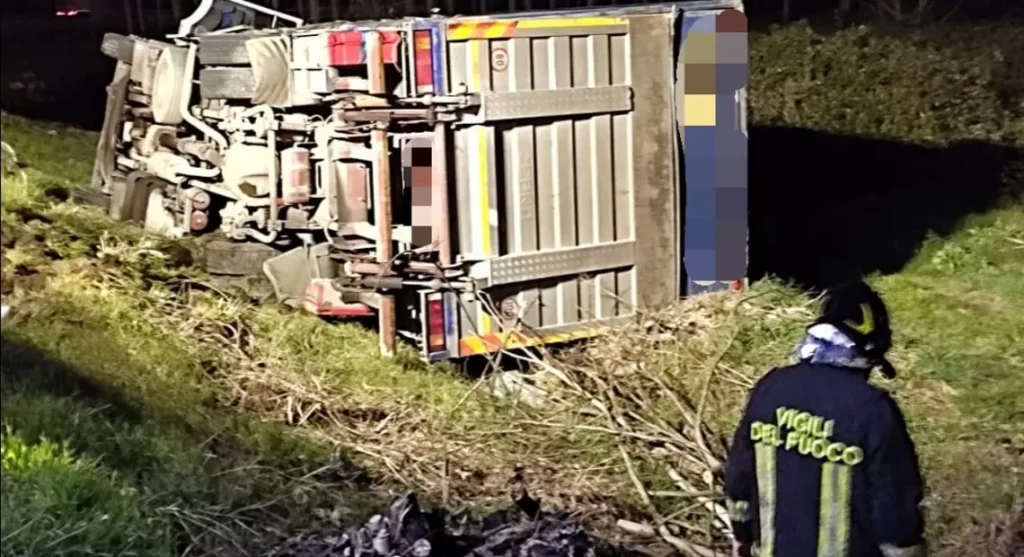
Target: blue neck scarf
{"points": [[825, 344]]}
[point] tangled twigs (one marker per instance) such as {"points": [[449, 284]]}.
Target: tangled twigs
{"points": [[624, 409], [655, 388]]}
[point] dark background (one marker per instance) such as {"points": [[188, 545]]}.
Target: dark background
{"points": [[51, 66]]}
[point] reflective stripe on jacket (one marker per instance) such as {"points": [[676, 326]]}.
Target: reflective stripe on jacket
{"points": [[822, 465]]}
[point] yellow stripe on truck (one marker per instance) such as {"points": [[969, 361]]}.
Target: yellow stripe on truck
{"points": [[492, 29], [547, 23], [483, 214], [497, 30], [466, 30], [471, 346], [480, 184]]}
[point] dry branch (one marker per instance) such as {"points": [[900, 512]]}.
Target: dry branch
{"points": [[652, 393], [654, 403]]}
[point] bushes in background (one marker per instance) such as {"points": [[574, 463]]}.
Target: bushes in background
{"points": [[882, 137], [933, 84]]}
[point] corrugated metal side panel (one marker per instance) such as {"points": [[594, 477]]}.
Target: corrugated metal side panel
{"points": [[552, 183], [623, 181]]}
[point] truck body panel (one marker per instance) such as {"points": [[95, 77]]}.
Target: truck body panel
{"points": [[478, 183], [548, 178]]}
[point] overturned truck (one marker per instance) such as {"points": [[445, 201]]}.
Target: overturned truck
{"points": [[474, 183]]}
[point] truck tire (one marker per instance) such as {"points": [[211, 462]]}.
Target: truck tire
{"points": [[168, 80], [224, 257]]}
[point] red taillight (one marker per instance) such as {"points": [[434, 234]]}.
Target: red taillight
{"points": [[435, 326], [736, 286], [348, 48], [424, 62], [345, 48]]}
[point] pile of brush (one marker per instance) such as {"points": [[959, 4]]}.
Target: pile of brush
{"points": [[668, 390]]}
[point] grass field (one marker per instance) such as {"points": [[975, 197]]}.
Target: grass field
{"points": [[146, 412]]}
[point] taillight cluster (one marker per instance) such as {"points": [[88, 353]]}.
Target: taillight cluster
{"points": [[435, 326], [424, 60]]}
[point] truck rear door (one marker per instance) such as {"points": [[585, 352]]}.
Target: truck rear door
{"points": [[568, 181]]}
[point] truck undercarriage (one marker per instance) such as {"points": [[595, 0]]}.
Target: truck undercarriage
{"points": [[344, 157]]}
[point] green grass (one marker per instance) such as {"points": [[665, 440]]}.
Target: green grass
{"points": [[126, 395], [55, 503], [62, 155], [84, 365], [960, 314], [233, 422]]}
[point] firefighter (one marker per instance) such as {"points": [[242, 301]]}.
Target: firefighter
{"points": [[822, 464]]}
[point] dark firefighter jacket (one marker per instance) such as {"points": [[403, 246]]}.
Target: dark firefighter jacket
{"points": [[822, 466]]}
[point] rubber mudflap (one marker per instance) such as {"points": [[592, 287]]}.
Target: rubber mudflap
{"points": [[121, 196], [129, 198]]}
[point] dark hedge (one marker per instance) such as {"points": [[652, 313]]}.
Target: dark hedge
{"points": [[935, 84]]}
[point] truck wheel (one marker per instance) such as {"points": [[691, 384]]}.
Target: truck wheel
{"points": [[224, 257], [168, 79]]}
